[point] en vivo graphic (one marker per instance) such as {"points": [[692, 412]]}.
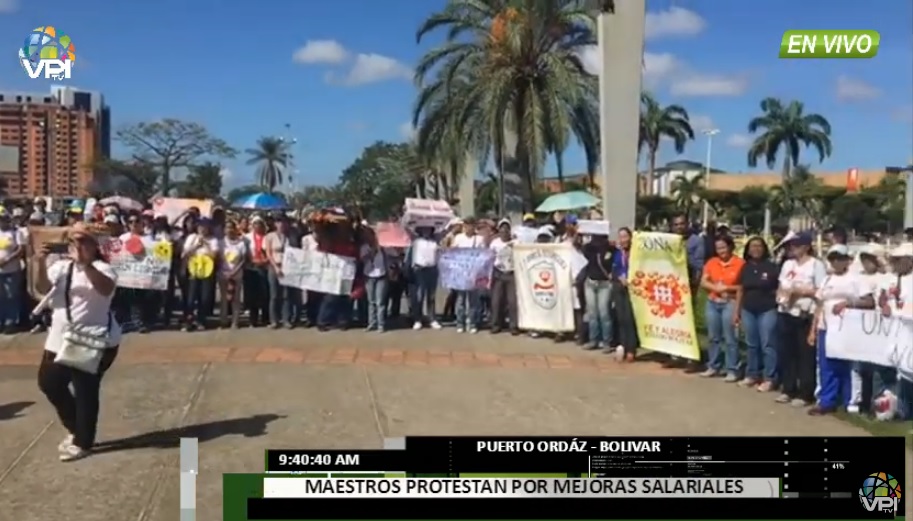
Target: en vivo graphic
{"points": [[829, 43]]}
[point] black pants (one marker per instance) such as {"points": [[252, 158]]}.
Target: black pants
{"points": [[77, 410], [503, 301], [312, 307], [625, 325], [199, 304], [136, 306], [395, 290], [256, 295], [450, 306], [797, 359]]}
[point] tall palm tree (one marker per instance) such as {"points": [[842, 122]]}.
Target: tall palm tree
{"points": [[786, 128], [687, 192], [507, 65], [272, 158], [658, 123]]}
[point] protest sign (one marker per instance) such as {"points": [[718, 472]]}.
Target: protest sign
{"points": [[317, 271], [426, 213], [661, 296], [544, 276], [868, 336], [173, 207], [591, 227], [466, 269], [144, 269], [392, 235]]}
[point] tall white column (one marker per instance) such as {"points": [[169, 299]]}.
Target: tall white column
{"points": [[908, 201], [621, 48]]}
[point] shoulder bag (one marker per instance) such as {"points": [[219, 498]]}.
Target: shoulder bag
{"points": [[83, 345]]}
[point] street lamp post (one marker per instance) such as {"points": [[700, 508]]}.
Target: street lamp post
{"points": [[709, 132], [907, 171], [291, 170]]}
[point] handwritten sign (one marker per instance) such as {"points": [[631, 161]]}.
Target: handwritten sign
{"points": [[591, 227], [173, 207], [466, 269], [317, 271], [146, 269], [867, 336], [426, 213]]}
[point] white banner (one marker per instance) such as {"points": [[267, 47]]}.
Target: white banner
{"points": [[317, 271], [868, 336], [590, 227], [426, 213], [544, 275], [148, 268]]}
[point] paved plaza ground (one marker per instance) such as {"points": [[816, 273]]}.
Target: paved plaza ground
{"points": [[245, 391]]}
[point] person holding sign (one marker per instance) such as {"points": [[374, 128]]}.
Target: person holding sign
{"points": [[841, 290], [897, 300], [10, 274], [468, 303], [234, 253], [280, 297], [200, 256], [136, 304]]}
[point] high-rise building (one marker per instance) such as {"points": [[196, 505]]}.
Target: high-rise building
{"points": [[48, 142]]}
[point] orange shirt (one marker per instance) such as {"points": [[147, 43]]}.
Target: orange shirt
{"points": [[726, 273]]}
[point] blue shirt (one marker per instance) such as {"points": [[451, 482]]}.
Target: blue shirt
{"points": [[695, 248], [620, 263]]}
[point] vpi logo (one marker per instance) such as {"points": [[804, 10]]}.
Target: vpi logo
{"points": [[49, 52], [880, 492]]}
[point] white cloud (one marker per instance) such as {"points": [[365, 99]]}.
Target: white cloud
{"points": [[739, 140], [373, 68], [407, 130], [318, 51], [700, 122], [226, 175], [851, 89], [9, 6], [676, 21]]}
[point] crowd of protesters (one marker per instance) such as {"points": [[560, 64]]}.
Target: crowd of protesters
{"points": [[769, 299]]}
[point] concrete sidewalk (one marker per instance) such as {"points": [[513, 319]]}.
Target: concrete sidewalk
{"points": [[240, 409]]}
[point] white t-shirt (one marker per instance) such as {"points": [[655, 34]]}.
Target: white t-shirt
{"points": [[465, 241], [309, 243], [424, 253], [195, 244], [810, 274], [375, 266], [23, 241], [9, 243], [233, 253], [847, 287], [900, 294], [504, 260], [87, 306]]}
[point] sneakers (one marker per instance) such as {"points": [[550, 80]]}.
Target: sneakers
{"points": [[783, 398], [460, 330], [62, 446], [473, 330], [731, 378], [766, 387], [852, 408], [435, 324], [799, 402], [418, 325], [71, 452], [710, 373]]}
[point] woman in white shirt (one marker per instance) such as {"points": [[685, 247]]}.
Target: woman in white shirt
{"points": [[841, 290], [135, 306], [800, 277], [10, 274], [201, 281], [233, 254], [420, 269], [79, 291], [374, 267], [468, 302], [898, 300]]}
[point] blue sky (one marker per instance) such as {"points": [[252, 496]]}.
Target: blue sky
{"points": [[339, 72]]}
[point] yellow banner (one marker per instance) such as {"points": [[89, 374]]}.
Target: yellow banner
{"points": [[661, 295]]}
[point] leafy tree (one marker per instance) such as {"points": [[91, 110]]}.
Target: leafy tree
{"points": [[785, 129], [687, 192], [203, 182], [313, 195], [506, 66], [654, 209], [272, 159], [750, 206], [371, 186], [172, 143], [658, 123], [721, 201], [136, 180]]}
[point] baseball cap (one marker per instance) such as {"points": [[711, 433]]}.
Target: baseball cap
{"points": [[838, 250], [802, 239], [529, 217]]}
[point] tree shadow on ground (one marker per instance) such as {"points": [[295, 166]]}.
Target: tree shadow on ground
{"points": [[12, 410], [249, 427]]}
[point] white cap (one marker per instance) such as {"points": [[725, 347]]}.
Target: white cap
{"points": [[546, 230], [905, 249], [838, 249], [111, 219], [873, 249]]}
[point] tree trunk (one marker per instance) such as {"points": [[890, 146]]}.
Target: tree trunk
{"points": [[787, 168], [559, 163]]}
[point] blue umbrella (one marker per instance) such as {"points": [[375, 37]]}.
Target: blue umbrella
{"points": [[261, 201], [568, 201]]}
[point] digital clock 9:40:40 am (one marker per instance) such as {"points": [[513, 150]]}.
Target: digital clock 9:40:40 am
{"points": [[318, 460]]}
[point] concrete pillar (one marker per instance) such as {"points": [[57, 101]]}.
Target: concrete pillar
{"points": [[908, 202], [621, 48]]}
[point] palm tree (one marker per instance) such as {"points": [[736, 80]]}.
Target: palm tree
{"points": [[688, 192], [272, 158], [658, 123], [506, 66], [787, 128]]}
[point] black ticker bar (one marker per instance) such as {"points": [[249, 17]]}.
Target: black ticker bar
{"points": [[557, 508]]}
